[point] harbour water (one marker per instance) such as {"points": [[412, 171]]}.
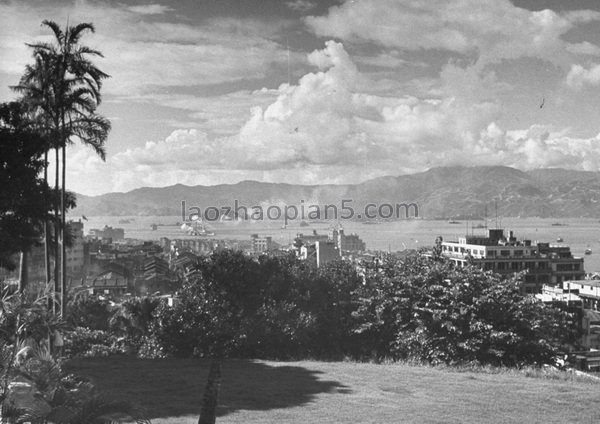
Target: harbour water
{"points": [[578, 233]]}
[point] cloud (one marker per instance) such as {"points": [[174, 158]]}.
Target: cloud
{"points": [[488, 31], [150, 9], [579, 76], [584, 48], [385, 60], [301, 5], [333, 128], [139, 40]]}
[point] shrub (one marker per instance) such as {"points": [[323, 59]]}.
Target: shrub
{"points": [[82, 341]]}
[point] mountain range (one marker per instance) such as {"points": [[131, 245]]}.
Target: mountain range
{"points": [[442, 193]]}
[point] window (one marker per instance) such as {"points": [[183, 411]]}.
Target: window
{"points": [[518, 253], [505, 253]]}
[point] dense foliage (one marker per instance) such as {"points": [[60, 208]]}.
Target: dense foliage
{"points": [[431, 311], [33, 386], [413, 308], [283, 308], [22, 205], [274, 307]]}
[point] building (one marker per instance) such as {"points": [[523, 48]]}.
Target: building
{"points": [[311, 239], [76, 253], [110, 283], [581, 298], [587, 290], [545, 264], [195, 245], [320, 253], [157, 278], [351, 243], [263, 244], [107, 233]]}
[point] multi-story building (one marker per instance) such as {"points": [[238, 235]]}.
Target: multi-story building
{"points": [[545, 263], [347, 243], [107, 233], [76, 253], [195, 245], [261, 244]]}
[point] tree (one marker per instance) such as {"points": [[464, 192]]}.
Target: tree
{"points": [[22, 206], [63, 85], [431, 311]]}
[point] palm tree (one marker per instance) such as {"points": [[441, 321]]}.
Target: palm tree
{"points": [[65, 86], [35, 84]]}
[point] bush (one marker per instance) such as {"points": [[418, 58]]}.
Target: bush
{"points": [[91, 313], [84, 342]]}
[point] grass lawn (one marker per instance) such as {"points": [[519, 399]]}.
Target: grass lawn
{"points": [[341, 392]]}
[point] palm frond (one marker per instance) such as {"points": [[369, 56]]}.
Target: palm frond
{"points": [[77, 31], [55, 28]]}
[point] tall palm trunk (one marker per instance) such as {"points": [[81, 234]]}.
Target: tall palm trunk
{"points": [[63, 256], [208, 412], [56, 228], [46, 226]]}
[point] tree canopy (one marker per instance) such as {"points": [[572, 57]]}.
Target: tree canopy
{"points": [[22, 198]]}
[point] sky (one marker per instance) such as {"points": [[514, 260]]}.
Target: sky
{"points": [[308, 91]]}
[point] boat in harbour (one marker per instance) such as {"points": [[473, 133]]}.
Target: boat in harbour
{"points": [[197, 229]]}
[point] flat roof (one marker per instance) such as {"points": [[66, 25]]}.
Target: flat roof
{"points": [[592, 283]]}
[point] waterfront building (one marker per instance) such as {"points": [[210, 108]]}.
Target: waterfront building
{"points": [[544, 263], [107, 233], [350, 243]]}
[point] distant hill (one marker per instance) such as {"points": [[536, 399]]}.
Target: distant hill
{"points": [[445, 192]]}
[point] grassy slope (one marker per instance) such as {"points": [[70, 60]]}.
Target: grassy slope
{"points": [[340, 392]]}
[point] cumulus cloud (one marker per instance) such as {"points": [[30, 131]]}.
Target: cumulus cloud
{"points": [[489, 31], [332, 128], [579, 76]]}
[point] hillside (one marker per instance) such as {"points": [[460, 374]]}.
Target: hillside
{"points": [[440, 193]]}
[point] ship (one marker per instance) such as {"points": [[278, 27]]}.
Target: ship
{"points": [[559, 239], [197, 229], [588, 251]]}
